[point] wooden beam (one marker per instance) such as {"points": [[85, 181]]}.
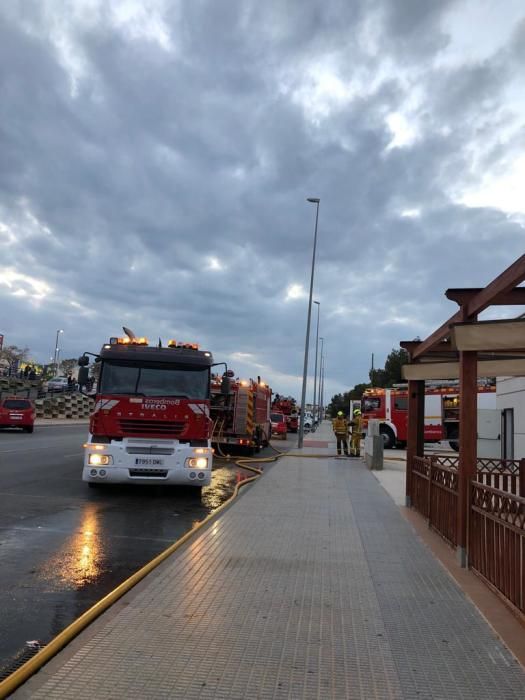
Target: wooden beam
{"points": [[468, 444], [439, 334], [415, 432], [510, 278], [411, 345], [503, 367], [465, 295]]}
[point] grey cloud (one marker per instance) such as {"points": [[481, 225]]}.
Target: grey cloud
{"points": [[162, 160]]}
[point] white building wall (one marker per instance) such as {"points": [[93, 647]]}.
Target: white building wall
{"points": [[510, 393]]}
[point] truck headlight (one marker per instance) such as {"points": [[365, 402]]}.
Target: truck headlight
{"points": [[100, 460], [197, 463]]}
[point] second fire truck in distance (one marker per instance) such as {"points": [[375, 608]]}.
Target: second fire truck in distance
{"points": [[241, 413], [390, 406], [287, 406], [151, 421]]}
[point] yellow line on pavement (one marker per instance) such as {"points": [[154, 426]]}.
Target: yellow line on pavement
{"points": [[12, 682]]}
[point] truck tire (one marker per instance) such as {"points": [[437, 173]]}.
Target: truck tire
{"points": [[389, 439], [29, 429], [453, 439]]}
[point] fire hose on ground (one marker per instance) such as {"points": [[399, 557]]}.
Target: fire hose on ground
{"points": [[30, 667]]}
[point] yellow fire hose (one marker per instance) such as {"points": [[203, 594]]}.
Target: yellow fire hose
{"points": [[22, 674]]}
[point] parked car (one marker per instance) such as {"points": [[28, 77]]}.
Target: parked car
{"points": [[279, 425], [17, 413], [57, 384]]}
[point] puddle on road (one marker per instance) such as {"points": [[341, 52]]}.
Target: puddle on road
{"points": [[64, 562]]}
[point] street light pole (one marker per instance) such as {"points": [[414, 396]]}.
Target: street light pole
{"points": [[315, 404], [322, 385], [314, 200], [321, 361], [55, 356]]}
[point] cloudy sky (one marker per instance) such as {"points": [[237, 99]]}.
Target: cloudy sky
{"points": [[156, 156]]}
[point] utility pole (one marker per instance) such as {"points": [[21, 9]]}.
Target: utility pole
{"points": [[319, 402], [315, 402], [316, 201]]}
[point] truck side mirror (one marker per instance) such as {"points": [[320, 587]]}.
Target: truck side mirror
{"points": [[225, 385], [83, 376], [83, 361]]}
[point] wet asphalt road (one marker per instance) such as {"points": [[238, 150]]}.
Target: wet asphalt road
{"points": [[63, 546]]}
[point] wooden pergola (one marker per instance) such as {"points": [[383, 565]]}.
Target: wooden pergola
{"points": [[465, 348]]}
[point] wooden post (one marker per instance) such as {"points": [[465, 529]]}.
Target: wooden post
{"points": [[468, 448], [416, 430], [521, 476]]}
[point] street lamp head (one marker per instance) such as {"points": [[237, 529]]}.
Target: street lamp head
{"points": [[314, 200], [317, 302], [60, 331]]}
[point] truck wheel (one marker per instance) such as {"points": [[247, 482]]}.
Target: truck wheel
{"points": [[453, 439], [29, 429], [389, 439]]}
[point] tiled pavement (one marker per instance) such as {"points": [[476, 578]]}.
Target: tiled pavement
{"points": [[311, 585]]}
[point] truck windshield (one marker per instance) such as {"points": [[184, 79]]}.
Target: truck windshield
{"points": [[154, 380], [371, 404]]}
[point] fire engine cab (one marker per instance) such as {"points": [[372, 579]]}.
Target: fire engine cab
{"points": [[151, 421], [289, 408], [390, 407]]}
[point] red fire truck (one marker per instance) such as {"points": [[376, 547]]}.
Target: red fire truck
{"points": [[241, 413], [390, 406], [151, 421], [289, 408]]}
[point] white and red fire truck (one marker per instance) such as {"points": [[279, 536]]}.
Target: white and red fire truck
{"points": [[241, 413], [390, 406], [151, 421]]}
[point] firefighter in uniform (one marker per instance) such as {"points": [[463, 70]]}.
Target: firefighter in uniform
{"points": [[340, 428], [357, 429]]}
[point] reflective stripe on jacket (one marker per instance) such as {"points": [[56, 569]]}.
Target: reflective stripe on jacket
{"points": [[340, 426], [357, 425]]}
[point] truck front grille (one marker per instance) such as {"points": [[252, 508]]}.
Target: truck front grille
{"points": [[131, 426], [148, 473], [147, 450]]}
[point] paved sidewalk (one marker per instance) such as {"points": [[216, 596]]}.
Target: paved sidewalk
{"points": [[312, 585]]}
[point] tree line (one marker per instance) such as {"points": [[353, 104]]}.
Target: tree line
{"points": [[12, 353], [389, 375]]}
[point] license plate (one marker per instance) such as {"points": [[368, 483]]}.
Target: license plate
{"points": [[148, 462], [15, 417]]}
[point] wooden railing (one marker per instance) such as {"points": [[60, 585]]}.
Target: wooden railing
{"points": [[497, 541], [443, 501], [420, 484], [502, 474], [496, 516]]}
